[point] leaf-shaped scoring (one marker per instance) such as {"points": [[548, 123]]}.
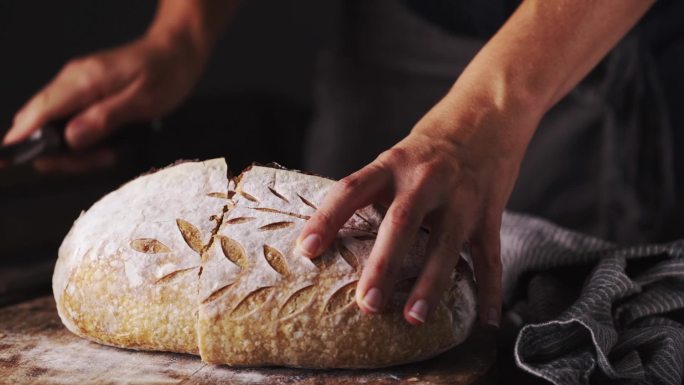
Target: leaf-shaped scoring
{"points": [[347, 255], [234, 251], [307, 202], [248, 196], [364, 219], [149, 246], [218, 195], [279, 195], [252, 301], [270, 210], [173, 274], [191, 234], [276, 259], [297, 301], [341, 298], [217, 293], [276, 226], [324, 260], [238, 220]]}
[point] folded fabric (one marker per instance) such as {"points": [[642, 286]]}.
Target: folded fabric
{"points": [[594, 312]]}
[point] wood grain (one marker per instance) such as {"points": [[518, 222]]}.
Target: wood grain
{"points": [[36, 348]]}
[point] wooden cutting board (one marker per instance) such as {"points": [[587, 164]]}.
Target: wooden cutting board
{"points": [[35, 348]]}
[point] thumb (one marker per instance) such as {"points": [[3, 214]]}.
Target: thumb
{"points": [[99, 120]]}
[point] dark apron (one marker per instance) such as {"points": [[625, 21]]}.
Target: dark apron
{"points": [[602, 160]]}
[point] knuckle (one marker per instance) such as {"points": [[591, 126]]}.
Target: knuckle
{"points": [[395, 155], [100, 117], [373, 168], [348, 184], [88, 73], [402, 216], [87, 82]]}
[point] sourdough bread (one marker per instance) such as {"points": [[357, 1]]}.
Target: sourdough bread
{"points": [[186, 260]]}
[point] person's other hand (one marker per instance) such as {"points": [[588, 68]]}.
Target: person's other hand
{"points": [[90, 160], [138, 81], [455, 185]]}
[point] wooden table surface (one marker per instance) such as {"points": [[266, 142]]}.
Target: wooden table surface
{"points": [[35, 348]]}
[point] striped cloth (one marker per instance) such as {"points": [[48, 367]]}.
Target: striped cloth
{"points": [[594, 312]]}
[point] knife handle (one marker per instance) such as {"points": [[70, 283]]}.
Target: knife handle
{"points": [[53, 136]]}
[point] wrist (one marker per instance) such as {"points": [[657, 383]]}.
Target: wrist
{"points": [[473, 119], [179, 37], [176, 51], [192, 25]]}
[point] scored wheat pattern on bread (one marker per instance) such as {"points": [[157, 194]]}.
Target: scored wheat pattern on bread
{"points": [[299, 298], [212, 270], [261, 289], [235, 253], [190, 234]]}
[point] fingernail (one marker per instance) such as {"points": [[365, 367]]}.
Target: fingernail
{"points": [[373, 299], [493, 317], [419, 310], [309, 246]]}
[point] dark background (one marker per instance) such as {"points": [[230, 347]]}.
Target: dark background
{"points": [[270, 47]]}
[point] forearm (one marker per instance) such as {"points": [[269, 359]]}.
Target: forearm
{"points": [[536, 58], [197, 23]]}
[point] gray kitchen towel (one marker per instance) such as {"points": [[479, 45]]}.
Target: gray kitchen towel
{"points": [[600, 313]]}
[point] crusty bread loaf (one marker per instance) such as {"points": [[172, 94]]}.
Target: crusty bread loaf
{"points": [[187, 260]]}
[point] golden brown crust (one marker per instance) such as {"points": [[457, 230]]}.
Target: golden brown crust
{"points": [[274, 307], [127, 271], [214, 272], [145, 317]]}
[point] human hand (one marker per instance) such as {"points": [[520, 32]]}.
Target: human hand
{"points": [[92, 159], [456, 169], [455, 185], [137, 81]]}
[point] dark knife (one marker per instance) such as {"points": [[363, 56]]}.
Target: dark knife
{"points": [[50, 138]]}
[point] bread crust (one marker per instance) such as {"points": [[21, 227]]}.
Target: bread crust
{"points": [[186, 260]]}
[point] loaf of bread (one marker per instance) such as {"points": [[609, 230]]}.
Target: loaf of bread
{"points": [[187, 260]]}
